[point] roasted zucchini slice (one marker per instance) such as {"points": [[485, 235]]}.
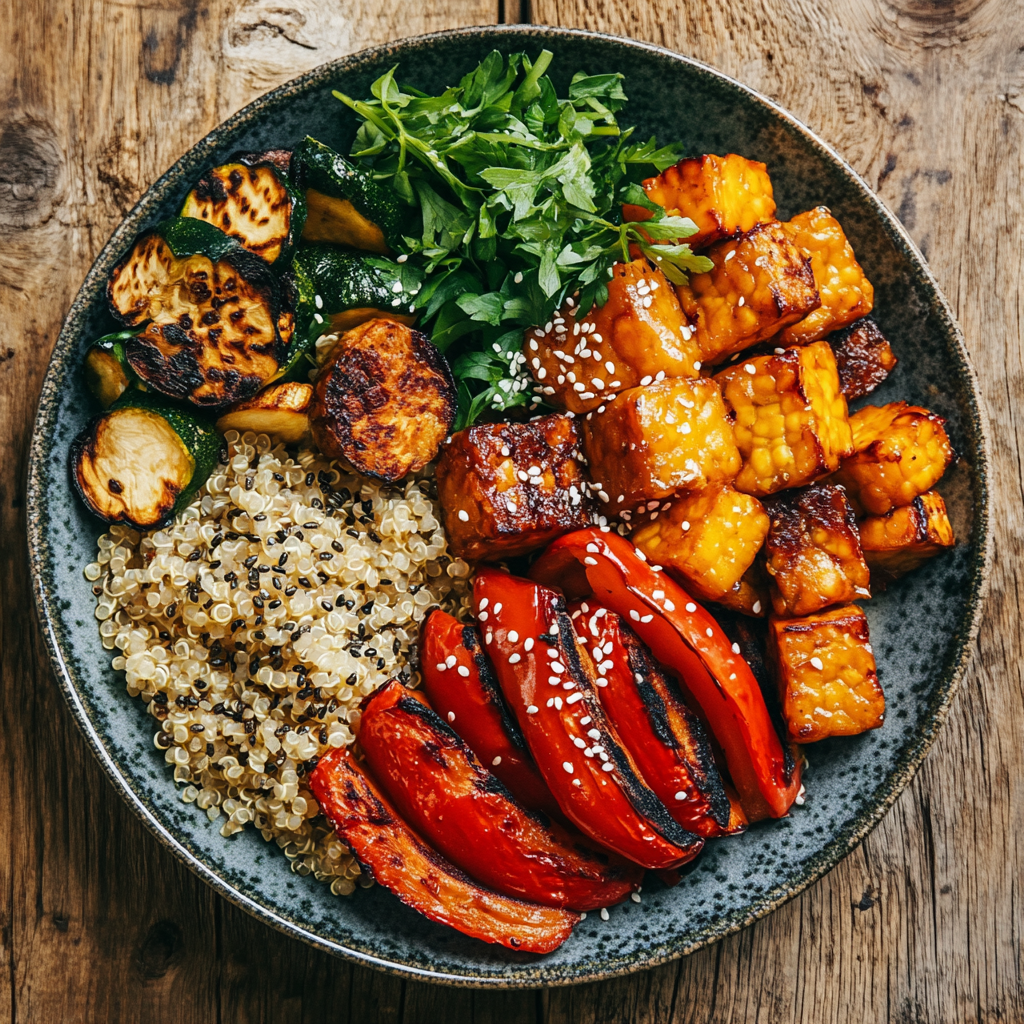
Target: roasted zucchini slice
{"points": [[251, 200], [281, 411], [216, 332], [107, 373], [384, 401], [142, 461], [344, 204], [337, 289]]}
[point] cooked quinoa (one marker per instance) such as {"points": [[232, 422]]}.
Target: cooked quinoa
{"points": [[253, 626]]}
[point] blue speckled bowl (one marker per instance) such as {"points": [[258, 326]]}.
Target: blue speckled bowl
{"points": [[922, 628]]}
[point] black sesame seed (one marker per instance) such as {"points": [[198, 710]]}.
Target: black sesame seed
{"points": [[326, 605], [309, 479], [283, 558], [305, 582], [257, 601], [322, 576], [197, 728], [259, 518], [263, 568], [380, 663], [209, 750], [337, 546], [215, 565], [351, 679], [305, 693], [274, 604], [317, 503], [195, 555], [288, 591], [276, 580], [386, 583], [279, 478], [310, 526], [366, 608], [230, 577], [373, 536], [366, 506], [323, 734], [164, 635], [353, 533], [250, 561], [249, 481], [325, 556]]}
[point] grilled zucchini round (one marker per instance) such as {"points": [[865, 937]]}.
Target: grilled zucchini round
{"points": [[107, 373], [251, 200], [280, 411], [142, 461], [216, 332]]}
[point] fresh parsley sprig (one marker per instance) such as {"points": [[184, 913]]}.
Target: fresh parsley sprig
{"points": [[515, 199]]}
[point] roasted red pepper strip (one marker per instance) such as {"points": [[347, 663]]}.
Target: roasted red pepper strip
{"points": [[420, 877], [467, 689], [458, 806], [688, 641], [548, 680], [664, 736]]}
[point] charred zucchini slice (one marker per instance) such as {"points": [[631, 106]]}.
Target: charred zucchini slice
{"points": [[216, 333], [107, 373], [281, 411], [384, 401], [251, 200], [344, 203], [142, 461], [336, 290]]}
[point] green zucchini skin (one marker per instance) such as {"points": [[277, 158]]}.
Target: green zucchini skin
{"points": [[344, 280], [188, 236], [196, 432], [316, 166], [107, 372]]}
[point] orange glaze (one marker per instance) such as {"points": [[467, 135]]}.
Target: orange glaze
{"points": [[400, 861], [549, 683], [444, 792]]}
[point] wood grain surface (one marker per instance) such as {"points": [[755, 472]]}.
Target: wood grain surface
{"points": [[921, 924]]}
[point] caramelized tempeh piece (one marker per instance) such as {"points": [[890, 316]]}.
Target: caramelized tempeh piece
{"points": [[722, 195], [420, 877], [846, 294], [791, 421], [905, 538], [761, 283], [653, 441], [826, 674], [813, 551], [863, 356], [750, 596], [384, 401], [508, 488], [711, 537], [900, 451], [639, 333]]}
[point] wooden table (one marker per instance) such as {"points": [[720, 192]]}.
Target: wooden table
{"points": [[922, 923]]}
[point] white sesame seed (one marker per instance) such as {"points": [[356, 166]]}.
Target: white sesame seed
{"points": [[750, 368], [634, 614], [589, 561], [710, 632], [567, 765], [451, 716], [573, 697], [497, 608], [690, 606], [735, 648], [532, 709], [680, 795], [528, 644], [441, 666], [558, 703], [669, 606], [463, 515], [757, 608], [514, 659], [729, 255], [484, 602], [482, 616], [685, 525], [646, 618], [513, 636], [646, 380], [496, 761], [518, 278], [607, 766], [463, 671], [817, 663], [450, 661], [635, 897]]}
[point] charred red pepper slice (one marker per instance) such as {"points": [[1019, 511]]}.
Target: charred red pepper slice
{"points": [[548, 680], [685, 639], [419, 876], [664, 736], [458, 806], [462, 688]]}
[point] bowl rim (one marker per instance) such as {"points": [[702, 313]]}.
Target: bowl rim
{"points": [[533, 975]]}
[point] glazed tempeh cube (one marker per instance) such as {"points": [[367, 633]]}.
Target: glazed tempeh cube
{"points": [[761, 282], [722, 195], [710, 537], [652, 442], [846, 293], [791, 421], [751, 595], [905, 538], [813, 550], [826, 674], [639, 334], [899, 452], [863, 356], [509, 488]]}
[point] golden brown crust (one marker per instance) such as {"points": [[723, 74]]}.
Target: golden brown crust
{"points": [[579, 363], [653, 442], [900, 451], [722, 195], [790, 417], [845, 291], [384, 401], [761, 282], [489, 510], [813, 550], [864, 358], [905, 538], [825, 670], [711, 537]]}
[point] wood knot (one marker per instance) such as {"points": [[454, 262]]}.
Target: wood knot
{"points": [[31, 172], [935, 22], [160, 950]]}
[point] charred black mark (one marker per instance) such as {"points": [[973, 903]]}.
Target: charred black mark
{"points": [[489, 682]]}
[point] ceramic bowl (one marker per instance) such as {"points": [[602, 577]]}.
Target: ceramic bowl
{"points": [[921, 629]]}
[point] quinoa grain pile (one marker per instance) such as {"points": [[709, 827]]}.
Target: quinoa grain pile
{"points": [[254, 624]]}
